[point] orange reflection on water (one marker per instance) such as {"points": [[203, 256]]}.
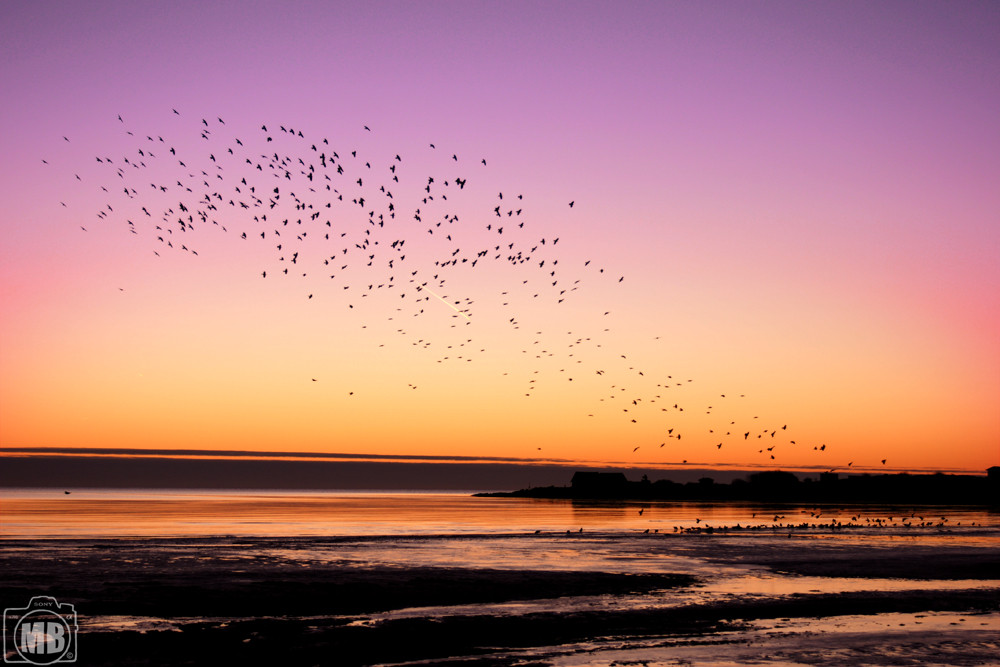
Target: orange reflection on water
{"points": [[122, 513]]}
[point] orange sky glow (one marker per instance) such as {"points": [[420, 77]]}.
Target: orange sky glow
{"points": [[792, 256]]}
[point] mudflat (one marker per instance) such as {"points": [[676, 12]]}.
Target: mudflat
{"points": [[351, 602]]}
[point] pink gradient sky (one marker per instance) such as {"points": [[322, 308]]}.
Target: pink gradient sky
{"points": [[802, 197]]}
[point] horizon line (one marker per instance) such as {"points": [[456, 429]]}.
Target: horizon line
{"points": [[218, 454]]}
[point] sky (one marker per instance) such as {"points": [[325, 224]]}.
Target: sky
{"points": [[784, 230]]}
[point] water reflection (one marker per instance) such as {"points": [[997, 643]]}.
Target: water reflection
{"points": [[104, 513], [941, 638]]}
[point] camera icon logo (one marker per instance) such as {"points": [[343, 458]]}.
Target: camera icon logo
{"points": [[41, 633]]}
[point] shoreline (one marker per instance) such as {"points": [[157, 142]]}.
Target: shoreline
{"points": [[485, 640], [321, 600]]}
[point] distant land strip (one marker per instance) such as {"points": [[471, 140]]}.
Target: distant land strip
{"points": [[572, 464], [781, 486], [153, 472]]}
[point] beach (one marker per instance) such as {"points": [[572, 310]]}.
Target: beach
{"points": [[881, 596]]}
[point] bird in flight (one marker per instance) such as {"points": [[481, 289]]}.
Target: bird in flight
{"points": [[296, 204]]}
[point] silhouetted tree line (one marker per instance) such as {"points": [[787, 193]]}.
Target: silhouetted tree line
{"points": [[782, 486]]}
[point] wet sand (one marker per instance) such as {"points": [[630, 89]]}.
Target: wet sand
{"points": [[316, 601]]}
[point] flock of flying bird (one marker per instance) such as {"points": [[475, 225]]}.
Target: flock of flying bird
{"points": [[356, 231]]}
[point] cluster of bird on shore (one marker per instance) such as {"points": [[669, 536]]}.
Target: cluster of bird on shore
{"points": [[356, 231], [779, 523]]}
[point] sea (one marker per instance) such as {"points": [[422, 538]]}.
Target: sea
{"points": [[94, 513], [708, 541]]}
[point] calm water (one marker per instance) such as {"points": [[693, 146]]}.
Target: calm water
{"points": [[89, 513], [375, 529]]}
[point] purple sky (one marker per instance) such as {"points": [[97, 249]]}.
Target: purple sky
{"points": [[804, 197]]}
